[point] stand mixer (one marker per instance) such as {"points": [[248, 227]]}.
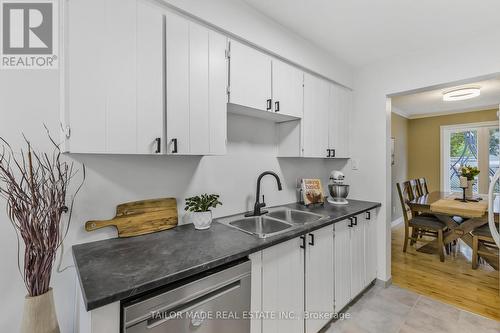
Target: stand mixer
{"points": [[338, 190]]}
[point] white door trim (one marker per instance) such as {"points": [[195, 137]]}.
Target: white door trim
{"points": [[445, 149]]}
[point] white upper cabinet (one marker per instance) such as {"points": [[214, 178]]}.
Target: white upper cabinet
{"points": [[260, 82], [315, 121], [195, 88], [288, 89], [338, 118], [126, 96], [114, 77], [319, 277], [250, 77]]}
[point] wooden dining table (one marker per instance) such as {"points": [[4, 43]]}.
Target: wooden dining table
{"points": [[445, 208]]}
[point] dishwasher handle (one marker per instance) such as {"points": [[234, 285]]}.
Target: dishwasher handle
{"points": [[192, 304]]}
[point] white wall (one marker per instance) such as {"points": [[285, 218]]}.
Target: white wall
{"points": [[372, 116], [30, 98]]}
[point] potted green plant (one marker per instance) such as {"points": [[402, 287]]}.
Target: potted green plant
{"points": [[198, 208], [470, 173], [35, 185]]}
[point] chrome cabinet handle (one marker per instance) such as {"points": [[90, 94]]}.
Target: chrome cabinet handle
{"points": [[277, 106]]}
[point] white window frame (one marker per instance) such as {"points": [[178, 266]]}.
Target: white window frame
{"points": [[445, 149]]}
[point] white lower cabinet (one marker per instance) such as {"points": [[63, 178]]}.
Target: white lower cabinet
{"points": [[283, 286], [357, 246], [294, 278], [355, 257], [370, 246], [342, 264], [319, 279], [300, 283]]}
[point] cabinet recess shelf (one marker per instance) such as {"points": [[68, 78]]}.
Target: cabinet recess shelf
{"points": [[256, 113]]}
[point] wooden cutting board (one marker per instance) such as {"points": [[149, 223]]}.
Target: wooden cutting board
{"points": [[140, 217]]}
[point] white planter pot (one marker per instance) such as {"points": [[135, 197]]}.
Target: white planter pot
{"points": [[39, 314], [201, 220]]}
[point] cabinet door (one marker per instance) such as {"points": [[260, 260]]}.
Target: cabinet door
{"points": [[338, 118], [115, 96], [120, 76], [85, 85], [283, 286], [199, 121], [177, 83], [288, 89], [196, 88], [315, 121], [250, 77], [370, 246], [319, 276], [357, 256], [217, 87], [342, 265], [150, 109]]}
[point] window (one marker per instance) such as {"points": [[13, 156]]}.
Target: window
{"points": [[469, 144]]}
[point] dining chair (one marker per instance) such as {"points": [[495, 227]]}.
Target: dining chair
{"points": [[415, 188], [420, 225], [483, 245], [423, 186]]}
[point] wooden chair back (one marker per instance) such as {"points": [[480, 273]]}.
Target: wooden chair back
{"points": [[406, 195], [423, 186], [416, 188]]}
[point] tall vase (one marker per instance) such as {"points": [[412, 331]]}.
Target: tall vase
{"points": [[39, 314], [469, 190]]}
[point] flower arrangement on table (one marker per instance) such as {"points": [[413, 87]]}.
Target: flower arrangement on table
{"points": [[469, 172]]}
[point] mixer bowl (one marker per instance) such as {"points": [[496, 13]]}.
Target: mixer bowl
{"points": [[338, 191]]}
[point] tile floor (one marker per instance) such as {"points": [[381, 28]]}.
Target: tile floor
{"points": [[393, 309]]}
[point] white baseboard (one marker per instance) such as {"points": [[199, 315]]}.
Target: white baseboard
{"points": [[397, 222]]}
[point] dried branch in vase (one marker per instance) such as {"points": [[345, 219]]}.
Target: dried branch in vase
{"points": [[35, 185]]}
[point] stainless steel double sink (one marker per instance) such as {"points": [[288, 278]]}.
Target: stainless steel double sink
{"points": [[278, 220]]}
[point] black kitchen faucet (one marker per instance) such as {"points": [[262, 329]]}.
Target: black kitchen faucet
{"points": [[258, 205]]}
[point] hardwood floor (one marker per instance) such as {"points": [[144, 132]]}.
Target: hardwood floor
{"points": [[453, 281]]}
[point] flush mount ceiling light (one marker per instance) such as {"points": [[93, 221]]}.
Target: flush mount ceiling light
{"points": [[461, 93]]}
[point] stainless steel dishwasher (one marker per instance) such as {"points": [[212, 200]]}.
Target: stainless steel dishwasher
{"points": [[215, 303]]}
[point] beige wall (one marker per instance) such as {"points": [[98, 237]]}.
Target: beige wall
{"points": [[399, 131], [424, 157]]}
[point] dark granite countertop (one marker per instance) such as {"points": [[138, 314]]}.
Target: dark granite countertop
{"points": [[115, 269]]}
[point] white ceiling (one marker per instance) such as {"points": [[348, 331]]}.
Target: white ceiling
{"points": [[431, 102], [364, 31]]}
